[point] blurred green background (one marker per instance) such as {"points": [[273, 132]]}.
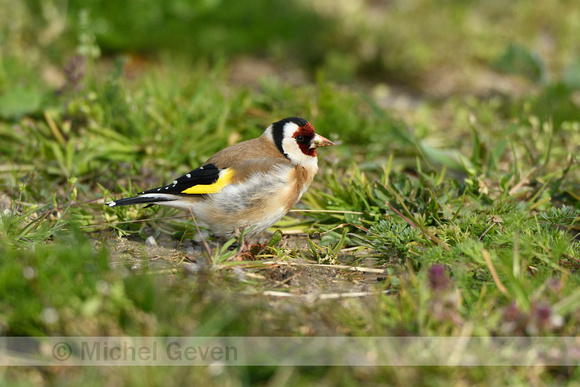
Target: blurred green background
{"points": [[382, 76], [434, 46]]}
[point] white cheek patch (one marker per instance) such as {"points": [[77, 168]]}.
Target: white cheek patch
{"points": [[293, 151]]}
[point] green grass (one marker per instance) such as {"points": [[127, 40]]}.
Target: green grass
{"points": [[467, 208]]}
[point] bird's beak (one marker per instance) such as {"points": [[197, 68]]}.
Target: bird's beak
{"points": [[319, 141]]}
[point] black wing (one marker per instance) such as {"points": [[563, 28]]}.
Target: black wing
{"points": [[205, 175]]}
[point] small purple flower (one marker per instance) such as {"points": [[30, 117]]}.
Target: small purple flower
{"points": [[438, 280], [541, 315]]}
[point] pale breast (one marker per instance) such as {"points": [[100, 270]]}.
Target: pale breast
{"points": [[258, 202]]}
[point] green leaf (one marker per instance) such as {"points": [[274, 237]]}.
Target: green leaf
{"points": [[519, 60], [571, 75], [449, 158], [19, 101], [276, 237]]}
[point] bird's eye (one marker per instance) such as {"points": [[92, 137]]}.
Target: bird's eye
{"points": [[299, 138]]}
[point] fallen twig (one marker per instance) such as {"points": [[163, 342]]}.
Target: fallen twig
{"points": [[329, 211], [326, 296], [205, 244], [496, 279], [339, 267], [401, 215]]}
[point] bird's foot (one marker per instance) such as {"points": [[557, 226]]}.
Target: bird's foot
{"points": [[249, 251]]}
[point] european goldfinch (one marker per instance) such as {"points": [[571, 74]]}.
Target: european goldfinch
{"points": [[250, 185]]}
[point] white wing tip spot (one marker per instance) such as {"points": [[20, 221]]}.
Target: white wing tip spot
{"points": [[188, 175], [111, 204], [174, 183]]}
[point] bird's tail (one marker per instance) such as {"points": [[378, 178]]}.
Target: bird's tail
{"points": [[142, 199]]}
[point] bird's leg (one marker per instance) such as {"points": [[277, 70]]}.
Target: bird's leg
{"points": [[247, 249], [244, 252], [246, 246], [240, 234]]}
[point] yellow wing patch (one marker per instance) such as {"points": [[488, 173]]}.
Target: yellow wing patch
{"points": [[223, 180]]}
